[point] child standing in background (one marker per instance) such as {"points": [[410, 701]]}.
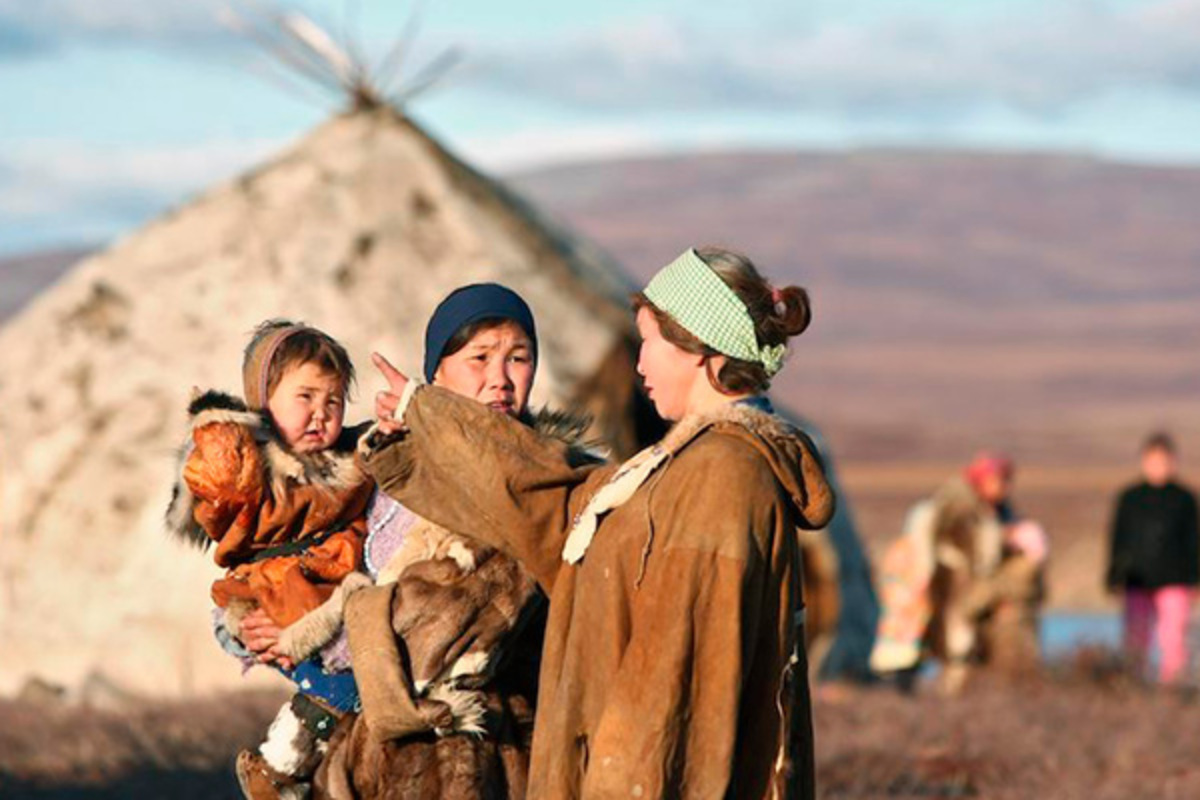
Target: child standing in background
{"points": [[1155, 559]]}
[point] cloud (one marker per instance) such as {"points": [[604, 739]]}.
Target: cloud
{"points": [[33, 27], [52, 193], [543, 146], [1038, 62]]}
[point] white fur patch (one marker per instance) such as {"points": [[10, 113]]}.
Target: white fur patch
{"points": [[462, 555], [470, 664], [426, 541], [318, 627], [180, 517], [960, 638], [406, 397], [235, 612], [466, 707], [333, 471], [289, 745]]}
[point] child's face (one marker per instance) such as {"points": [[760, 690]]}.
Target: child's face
{"points": [[994, 488], [1158, 466], [308, 407]]}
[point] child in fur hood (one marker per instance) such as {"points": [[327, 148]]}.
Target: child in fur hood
{"points": [[273, 483], [444, 645]]}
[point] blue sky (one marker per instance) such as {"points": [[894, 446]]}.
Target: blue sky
{"points": [[114, 110]]}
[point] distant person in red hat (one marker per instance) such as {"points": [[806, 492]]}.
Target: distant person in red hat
{"points": [[946, 580], [1155, 558], [1006, 605]]}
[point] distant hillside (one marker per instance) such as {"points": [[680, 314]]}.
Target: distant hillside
{"points": [[23, 277], [1044, 303]]}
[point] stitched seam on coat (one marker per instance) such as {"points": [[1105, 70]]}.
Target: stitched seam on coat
{"points": [[654, 479]]}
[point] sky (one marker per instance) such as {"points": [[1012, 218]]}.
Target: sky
{"points": [[115, 110]]}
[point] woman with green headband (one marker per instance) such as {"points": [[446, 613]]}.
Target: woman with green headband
{"points": [[673, 662]]}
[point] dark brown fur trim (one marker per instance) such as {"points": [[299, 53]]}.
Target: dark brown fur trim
{"points": [[570, 428], [212, 399]]}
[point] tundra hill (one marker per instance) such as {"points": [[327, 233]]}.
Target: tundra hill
{"points": [[23, 277]]}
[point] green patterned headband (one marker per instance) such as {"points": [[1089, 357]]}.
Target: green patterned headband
{"points": [[694, 296]]}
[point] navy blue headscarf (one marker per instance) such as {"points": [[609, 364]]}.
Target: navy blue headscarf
{"points": [[470, 304]]}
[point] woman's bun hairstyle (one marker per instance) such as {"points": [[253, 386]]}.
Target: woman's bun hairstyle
{"points": [[792, 313]]}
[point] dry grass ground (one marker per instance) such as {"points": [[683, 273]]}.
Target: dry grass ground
{"points": [[1059, 737], [182, 750], [1081, 731]]}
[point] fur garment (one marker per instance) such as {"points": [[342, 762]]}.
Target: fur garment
{"points": [[452, 631], [244, 491]]}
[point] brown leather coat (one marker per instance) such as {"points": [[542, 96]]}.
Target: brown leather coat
{"points": [[673, 664]]}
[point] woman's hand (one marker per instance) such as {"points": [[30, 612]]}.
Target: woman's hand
{"points": [[260, 634], [387, 402]]}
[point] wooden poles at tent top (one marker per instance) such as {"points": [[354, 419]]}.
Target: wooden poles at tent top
{"points": [[302, 50]]}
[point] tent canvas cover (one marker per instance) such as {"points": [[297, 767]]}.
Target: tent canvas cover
{"points": [[360, 229]]}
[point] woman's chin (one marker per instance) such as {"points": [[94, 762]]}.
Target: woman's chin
{"points": [[670, 415]]}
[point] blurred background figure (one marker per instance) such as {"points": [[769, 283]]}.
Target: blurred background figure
{"points": [[841, 604], [963, 581], [1155, 559], [1007, 604]]}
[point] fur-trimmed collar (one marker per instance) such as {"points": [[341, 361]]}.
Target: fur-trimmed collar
{"points": [[333, 469], [790, 452], [761, 423]]}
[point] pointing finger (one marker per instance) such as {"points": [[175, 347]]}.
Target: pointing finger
{"points": [[396, 379]]}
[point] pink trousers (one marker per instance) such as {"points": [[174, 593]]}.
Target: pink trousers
{"points": [[1161, 612]]}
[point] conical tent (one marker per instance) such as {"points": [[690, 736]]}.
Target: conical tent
{"points": [[359, 229]]}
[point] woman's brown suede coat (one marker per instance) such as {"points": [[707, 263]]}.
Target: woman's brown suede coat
{"points": [[674, 662], [450, 619]]}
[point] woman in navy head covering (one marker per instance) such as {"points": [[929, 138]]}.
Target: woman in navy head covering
{"points": [[445, 646], [481, 342], [467, 619]]}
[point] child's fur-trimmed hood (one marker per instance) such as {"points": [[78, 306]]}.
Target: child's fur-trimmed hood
{"points": [[333, 469]]}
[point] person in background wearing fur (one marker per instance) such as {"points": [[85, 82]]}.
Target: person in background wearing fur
{"points": [[273, 483], [445, 646], [1006, 605], [964, 578], [674, 664]]}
